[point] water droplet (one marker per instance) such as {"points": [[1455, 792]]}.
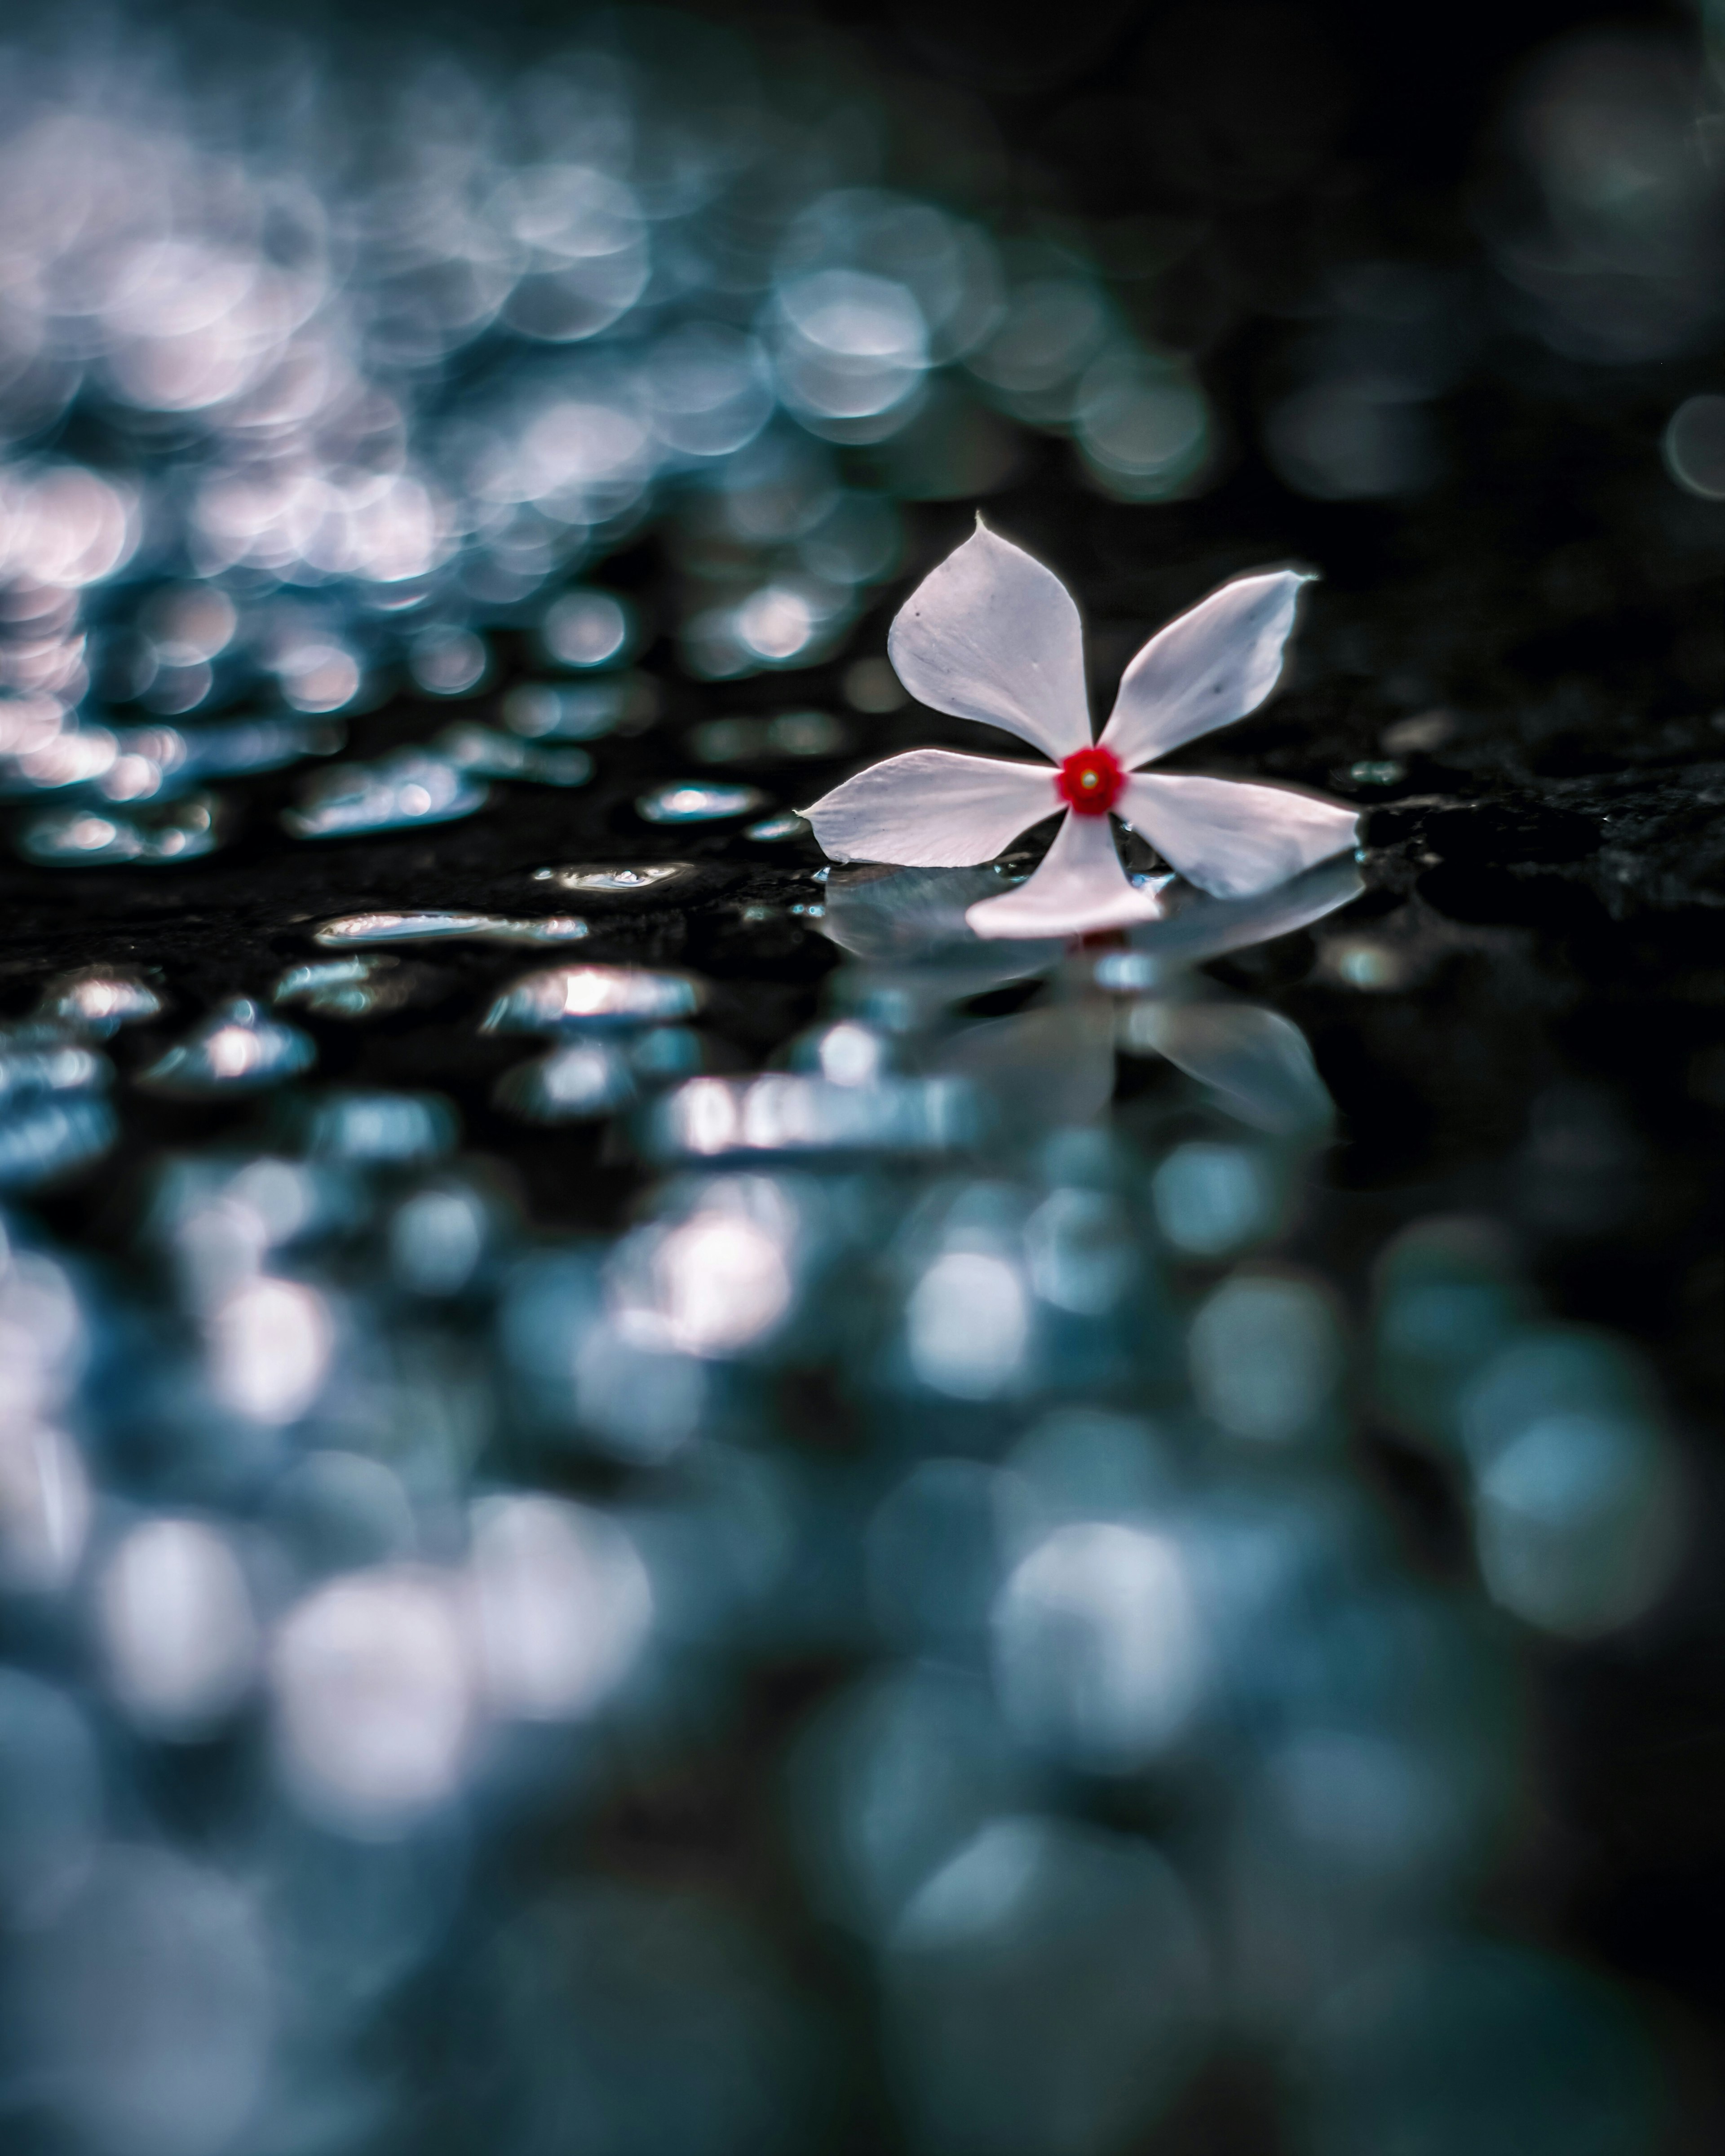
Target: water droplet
{"points": [[484, 753], [98, 1002], [448, 662], [788, 1113], [238, 746], [48, 751], [569, 996], [31, 1067], [179, 830], [581, 710], [237, 1049], [772, 830], [728, 741], [846, 1054], [624, 878], [347, 988], [587, 628], [576, 1084], [667, 1052], [407, 788], [46, 1137], [377, 1127], [52, 1119], [699, 801], [1381, 771], [431, 927], [786, 734]]}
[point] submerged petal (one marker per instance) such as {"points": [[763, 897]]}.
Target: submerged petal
{"points": [[932, 808], [1232, 839], [1257, 1060], [992, 635], [1048, 1068], [914, 919], [1080, 887], [1209, 667], [1203, 927]]}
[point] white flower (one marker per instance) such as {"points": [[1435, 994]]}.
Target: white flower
{"points": [[992, 635]]}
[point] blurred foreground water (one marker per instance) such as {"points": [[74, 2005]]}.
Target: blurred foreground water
{"points": [[649, 1501], [899, 1628]]}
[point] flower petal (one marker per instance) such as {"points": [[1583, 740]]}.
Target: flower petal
{"points": [[932, 808], [992, 635], [1208, 668], [1231, 840], [1080, 887]]}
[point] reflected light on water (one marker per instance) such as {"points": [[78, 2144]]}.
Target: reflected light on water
{"points": [[42, 1341], [850, 349], [448, 662], [437, 1238], [775, 624], [1694, 445], [714, 1284], [562, 1605], [63, 527], [586, 629], [1098, 1649], [149, 2006], [1048, 1988], [1052, 326], [1146, 431], [1212, 1199], [1579, 1521], [44, 1506], [270, 1342], [373, 1683], [1266, 1356], [177, 1626], [967, 1325], [711, 389], [50, 1795]]}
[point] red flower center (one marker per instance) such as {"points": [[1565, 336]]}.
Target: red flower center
{"points": [[1090, 781]]}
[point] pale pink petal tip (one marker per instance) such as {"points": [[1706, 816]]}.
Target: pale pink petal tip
{"points": [[1079, 889], [1208, 668], [992, 635]]}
